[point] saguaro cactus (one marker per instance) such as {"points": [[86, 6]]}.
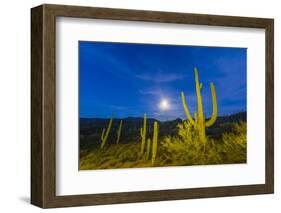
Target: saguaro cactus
{"points": [[199, 118], [105, 134], [154, 142], [119, 131], [148, 145], [143, 134]]}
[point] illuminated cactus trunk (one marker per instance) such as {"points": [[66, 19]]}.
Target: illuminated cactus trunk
{"points": [[119, 132], [154, 142], [143, 134], [105, 134], [199, 118], [147, 154]]}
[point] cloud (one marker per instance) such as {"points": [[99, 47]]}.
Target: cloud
{"points": [[105, 105], [117, 107], [160, 77], [150, 92]]}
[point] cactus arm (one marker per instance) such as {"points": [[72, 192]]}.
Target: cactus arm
{"points": [[186, 109], [212, 120], [154, 143], [143, 134], [119, 132], [102, 134], [106, 133]]}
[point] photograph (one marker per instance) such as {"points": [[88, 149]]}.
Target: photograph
{"points": [[136, 105], [159, 105]]}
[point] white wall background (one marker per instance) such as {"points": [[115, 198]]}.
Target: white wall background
{"points": [[15, 105]]}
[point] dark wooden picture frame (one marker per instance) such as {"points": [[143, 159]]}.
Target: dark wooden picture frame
{"points": [[43, 105]]}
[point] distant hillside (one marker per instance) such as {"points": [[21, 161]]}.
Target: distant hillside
{"points": [[91, 128], [241, 116], [225, 124]]}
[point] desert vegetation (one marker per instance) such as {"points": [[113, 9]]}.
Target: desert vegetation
{"points": [[146, 142]]}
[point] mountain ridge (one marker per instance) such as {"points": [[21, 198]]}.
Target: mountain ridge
{"points": [[91, 128], [222, 117]]}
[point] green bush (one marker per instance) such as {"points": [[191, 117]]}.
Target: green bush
{"points": [[234, 149], [186, 149]]}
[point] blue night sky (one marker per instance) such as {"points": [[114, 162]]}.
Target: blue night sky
{"points": [[128, 80]]}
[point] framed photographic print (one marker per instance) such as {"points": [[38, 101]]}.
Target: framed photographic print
{"points": [[136, 106]]}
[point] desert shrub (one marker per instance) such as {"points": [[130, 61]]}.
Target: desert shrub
{"points": [[186, 149], [234, 144]]}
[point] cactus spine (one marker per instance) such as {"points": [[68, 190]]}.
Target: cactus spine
{"points": [[154, 142], [119, 132], [143, 134], [147, 154], [199, 118], [105, 134]]}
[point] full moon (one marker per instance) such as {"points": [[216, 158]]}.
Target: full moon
{"points": [[164, 105]]}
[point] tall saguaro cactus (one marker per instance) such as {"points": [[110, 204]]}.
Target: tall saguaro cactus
{"points": [[105, 134], [143, 134], [199, 117], [154, 142], [119, 132]]}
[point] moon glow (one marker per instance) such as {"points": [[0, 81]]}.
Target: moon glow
{"points": [[164, 105]]}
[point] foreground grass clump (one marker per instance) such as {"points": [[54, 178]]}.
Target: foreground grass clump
{"points": [[179, 150], [114, 156]]}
